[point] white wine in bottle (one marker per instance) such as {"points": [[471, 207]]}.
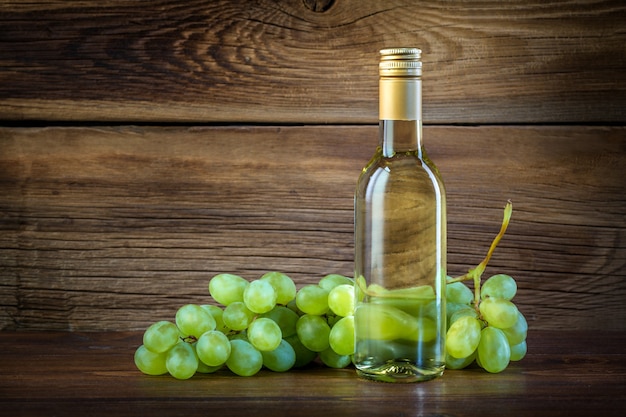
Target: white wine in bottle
{"points": [[400, 238]]}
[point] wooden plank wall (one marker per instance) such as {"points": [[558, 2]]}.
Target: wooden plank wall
{"points": [[147, 145]]}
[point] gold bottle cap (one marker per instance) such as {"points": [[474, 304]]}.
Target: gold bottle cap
{"points": [[400, 62]]}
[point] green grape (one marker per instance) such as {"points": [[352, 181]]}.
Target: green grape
{"points": [[213, 348], [494, 352], [264, 334], [202, 367], [313, 332], [341, 337], [467, 311], [217, 313], [498, 312], [499, 286], [415, 327], [383, 322], [459, 363], [458, 292], [517, 333], [330, 281], [285, 317], [227, 288], [280, 359], [159, 337], [259, 296], [304, 356], [312, 299], [463, 337], [518, 351], [341, 300], [237, 316], [283, 285], [149, 362], [332, 359], [193, 320], [244, 359], [181, 361]]}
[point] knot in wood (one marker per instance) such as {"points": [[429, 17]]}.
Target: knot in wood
{"points": [[319, 6]]}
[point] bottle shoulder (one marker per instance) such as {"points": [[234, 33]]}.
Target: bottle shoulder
{"points": [[403, 169], [400, 161]]}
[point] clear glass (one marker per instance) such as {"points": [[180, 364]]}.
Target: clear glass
{"points": [[400, 260]]}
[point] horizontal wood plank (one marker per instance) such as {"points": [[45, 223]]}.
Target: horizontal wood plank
{"points": [[577, 374], [113, 228], [492, 62]]}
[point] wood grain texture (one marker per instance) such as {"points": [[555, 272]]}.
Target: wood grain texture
{"points": [[112, 228], [576, 374], [298, 61]]}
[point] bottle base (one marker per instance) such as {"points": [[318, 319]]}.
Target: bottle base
{"points": [[400, 372]]}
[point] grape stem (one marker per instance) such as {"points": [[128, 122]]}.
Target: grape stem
{"points": [[476, 273], [191, 339]]}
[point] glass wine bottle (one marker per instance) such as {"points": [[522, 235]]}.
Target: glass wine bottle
{"points": [[400, 238]]}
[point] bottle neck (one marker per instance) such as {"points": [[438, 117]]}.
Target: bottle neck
{"points": [[400, 111], [400, 136]]}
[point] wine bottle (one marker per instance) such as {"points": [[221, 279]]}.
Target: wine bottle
{"points": [[400, 238]]}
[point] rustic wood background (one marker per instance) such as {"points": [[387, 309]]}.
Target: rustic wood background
{"points": [[147, 145]]}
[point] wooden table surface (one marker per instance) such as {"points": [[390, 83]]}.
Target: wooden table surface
{"points": [[92, 374]]}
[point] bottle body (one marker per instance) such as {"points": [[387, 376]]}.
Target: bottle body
{"points": [[400, 260]]}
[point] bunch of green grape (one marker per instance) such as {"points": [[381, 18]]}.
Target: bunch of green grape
{"points": [[267, 323], [490, 331], [484, 326], [263, 323]]}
